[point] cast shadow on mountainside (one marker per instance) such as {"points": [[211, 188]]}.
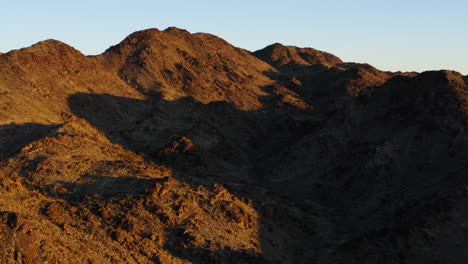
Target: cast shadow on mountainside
{"points": [[214, 139], [103, 187], [200, 255], [13, 137], [384, 163], [206, 144]]}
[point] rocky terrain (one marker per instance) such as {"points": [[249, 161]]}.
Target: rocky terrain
{"points": [[172, 147]]}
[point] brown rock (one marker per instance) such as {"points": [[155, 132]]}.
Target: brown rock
{"points": [[119, 236]]}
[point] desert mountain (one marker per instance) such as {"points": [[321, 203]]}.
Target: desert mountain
{"points": [[279, 55], [321, 74], [173, 147], [37, 81], [176, 64]]}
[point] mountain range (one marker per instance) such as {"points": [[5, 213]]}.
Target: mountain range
{"points": [[173, 147]]}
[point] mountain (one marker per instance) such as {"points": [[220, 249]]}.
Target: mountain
{"points": [[172, 147], [322, 74], [176, 64], [37, 81], [279, 55]]}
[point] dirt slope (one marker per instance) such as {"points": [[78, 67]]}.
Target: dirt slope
{"points": [[173, 147]]}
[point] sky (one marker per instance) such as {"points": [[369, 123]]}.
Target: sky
{"points": [[390, 35]]}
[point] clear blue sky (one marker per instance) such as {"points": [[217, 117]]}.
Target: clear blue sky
{"points": [[391, 35]]}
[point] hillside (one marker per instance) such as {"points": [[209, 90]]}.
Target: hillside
{"points": [[172, 147]]}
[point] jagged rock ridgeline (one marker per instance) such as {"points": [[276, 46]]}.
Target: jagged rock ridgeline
{"points": [[172, 147]]}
